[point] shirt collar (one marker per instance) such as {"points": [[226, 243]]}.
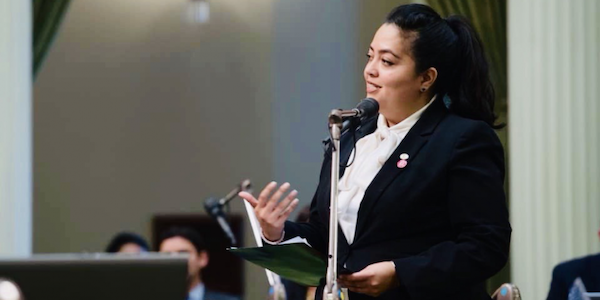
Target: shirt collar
{"points": [[407, 123], [197, 292]]}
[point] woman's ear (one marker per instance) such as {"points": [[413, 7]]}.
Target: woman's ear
{"points": [[428, 78]]}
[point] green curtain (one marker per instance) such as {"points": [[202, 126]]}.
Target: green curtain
{"points": [[47, 15], [489, 19]]}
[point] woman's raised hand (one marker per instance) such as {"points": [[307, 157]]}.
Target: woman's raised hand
{"points": [[270, 211]]}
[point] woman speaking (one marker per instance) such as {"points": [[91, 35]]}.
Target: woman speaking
{"points": [[422, 209]]}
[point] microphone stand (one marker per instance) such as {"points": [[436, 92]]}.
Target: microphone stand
{"points": [[332, 289], [245, 185], [215, 206], [337, 125]]}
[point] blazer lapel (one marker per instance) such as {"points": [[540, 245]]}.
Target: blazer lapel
{"points": [[411, 144]]}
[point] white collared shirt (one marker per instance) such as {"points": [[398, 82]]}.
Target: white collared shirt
{"points": [[372, 151], [197, 292]]}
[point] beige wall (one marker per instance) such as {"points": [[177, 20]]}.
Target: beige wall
{"points": [[137, 111]]}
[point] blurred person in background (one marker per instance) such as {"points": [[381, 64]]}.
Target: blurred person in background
{"points": [[127, 242], [564, 274], [187, 240]]}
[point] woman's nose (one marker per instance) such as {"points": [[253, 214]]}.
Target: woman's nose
{"points": [[371, 70]]}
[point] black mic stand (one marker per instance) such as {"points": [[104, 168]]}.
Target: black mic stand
{"points": [[214, 207], [243, 186]]}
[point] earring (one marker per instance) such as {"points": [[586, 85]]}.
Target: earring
{"points": [[423, 89]]}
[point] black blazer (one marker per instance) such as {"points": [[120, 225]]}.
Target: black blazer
{"points": [[564, 274], [442, 219]]}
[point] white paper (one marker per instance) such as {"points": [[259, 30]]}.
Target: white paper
{"points": [[296, 240], [273, 278]]}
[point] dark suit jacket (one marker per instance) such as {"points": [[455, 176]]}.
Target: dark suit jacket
{"points": [[442, 219], [213, 295], [564, 274]]}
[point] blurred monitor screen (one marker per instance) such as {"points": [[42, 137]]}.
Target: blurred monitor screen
{"points": [[98, 276]]}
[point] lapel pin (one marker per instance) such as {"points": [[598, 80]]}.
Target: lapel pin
{"points": [[402, 163]]}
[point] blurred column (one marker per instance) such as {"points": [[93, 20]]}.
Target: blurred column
{"points": [[554, 136], [15, 127]]}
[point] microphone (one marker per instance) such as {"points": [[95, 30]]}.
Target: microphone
{"points": [[367, 108], [214, 207]]}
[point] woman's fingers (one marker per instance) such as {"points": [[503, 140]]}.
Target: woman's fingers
{"points": [[274, 200], [272, 212], [283, 204], [288, 210], [248, 197], [263, 198], [372, 280]]}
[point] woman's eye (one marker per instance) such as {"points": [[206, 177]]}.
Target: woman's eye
{"points": [[368, 56], [387, 62]]}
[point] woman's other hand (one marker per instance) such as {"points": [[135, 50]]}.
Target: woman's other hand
{"points": [[270, 211], [372, 280]]}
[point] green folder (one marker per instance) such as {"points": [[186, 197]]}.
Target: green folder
{"points": [[297, 262]]}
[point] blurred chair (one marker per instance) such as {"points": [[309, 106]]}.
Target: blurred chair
{"points": [[507, 291]]}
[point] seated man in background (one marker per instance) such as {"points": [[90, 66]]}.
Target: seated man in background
{"points": [[565, 273], [127, 242], [187, 240]]}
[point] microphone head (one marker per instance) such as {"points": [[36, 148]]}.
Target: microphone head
{"points": [[368, 108], [246, 185], [212, 206]]}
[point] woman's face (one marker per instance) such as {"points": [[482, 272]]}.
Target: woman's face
{"points": [[390, 74]]}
